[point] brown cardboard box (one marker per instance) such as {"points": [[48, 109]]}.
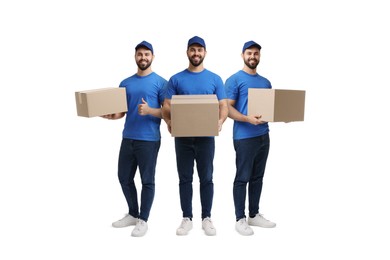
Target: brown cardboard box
{"points": [[98, 102], [277, 105], [194, 115]]}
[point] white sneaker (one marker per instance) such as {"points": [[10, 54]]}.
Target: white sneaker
{"points": [[208, 227], [260, 221], [185, 227], [140, 228], [243, 228], [128, 220]]}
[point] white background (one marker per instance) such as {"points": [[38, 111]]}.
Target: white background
{"points": [[326, 183]]}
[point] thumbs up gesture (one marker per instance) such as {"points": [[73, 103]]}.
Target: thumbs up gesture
{"points": [[143, 108]]}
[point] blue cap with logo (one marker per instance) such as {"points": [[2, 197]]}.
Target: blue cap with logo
{"points": [[249, 44], [196, 40], [144, 44]]}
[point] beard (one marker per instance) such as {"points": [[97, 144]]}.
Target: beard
{"points": [[143, 66], [252, 63], [194, 62]]}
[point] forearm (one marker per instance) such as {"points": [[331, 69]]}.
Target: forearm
{"points": [[166, 111], [223, 110], [235, 115], [156, 112]]}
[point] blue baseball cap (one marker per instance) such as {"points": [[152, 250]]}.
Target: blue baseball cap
{"points": [[196, 40], [250, 44], [144, 44]]}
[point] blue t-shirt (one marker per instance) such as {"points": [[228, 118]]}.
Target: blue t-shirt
{"points": [[151, 88], [237, 89], [195, 83]]}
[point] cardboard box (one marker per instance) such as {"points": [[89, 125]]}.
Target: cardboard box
{"points": [[98, 102], [277, 105], [194, 115]]}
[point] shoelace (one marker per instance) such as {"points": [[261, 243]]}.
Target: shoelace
{"points": [[243, 222], [208, 223], [184, 222], [140, 223], [261, 216]]}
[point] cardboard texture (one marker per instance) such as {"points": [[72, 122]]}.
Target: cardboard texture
{"points": [[277, 105], [99, 102], [194, 115]]}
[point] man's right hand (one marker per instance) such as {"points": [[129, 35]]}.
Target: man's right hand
{"points": [[255, 119], [169, 125], [110, 116]]}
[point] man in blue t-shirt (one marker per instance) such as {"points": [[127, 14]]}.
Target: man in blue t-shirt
{"points": [[251, 141], [195, 80], [141, 138]]}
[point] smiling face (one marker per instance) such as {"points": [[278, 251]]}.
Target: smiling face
{"points": [[143, 58], [196, 54], [251, 57]]}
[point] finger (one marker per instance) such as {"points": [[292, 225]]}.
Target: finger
{"points": [[143, 101]]}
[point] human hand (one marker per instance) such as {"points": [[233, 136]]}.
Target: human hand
{"points": [[169, 125], [255, 120], [110, 116], [220, 122], [143, 109]]}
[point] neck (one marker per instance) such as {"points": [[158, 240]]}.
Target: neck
{"points": [[249, 70], [144, 72], [196, 69]]}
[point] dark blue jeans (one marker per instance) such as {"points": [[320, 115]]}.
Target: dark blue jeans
{"points": [[141, 154], [201, 150], [251, 159]]}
